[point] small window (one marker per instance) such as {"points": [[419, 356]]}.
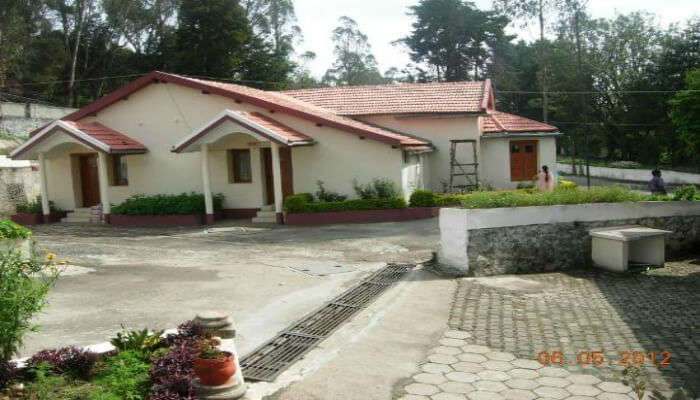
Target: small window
{"points": [[240, 171], [514, 148], [529, 148], [120, 176]]}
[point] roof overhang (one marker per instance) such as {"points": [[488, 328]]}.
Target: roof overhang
{"points": [[40, 141], [261, 133], [520, 135]]}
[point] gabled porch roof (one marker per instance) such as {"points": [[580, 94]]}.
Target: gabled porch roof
{"points": [[264, 127], [91, 134]]}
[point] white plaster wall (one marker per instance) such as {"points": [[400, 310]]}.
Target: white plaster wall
{"points": [[160, 115], [496, 160], [636, 175], [411, 176], [440, 131]]}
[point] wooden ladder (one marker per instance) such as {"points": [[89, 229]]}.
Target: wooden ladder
{"points": [[469, 171]]}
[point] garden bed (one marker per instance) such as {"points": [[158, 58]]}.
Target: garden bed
{"points": [[157, 220], [38, 219], [360, 216]]}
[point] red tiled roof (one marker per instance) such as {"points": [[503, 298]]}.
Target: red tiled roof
{"points": [[281, 129], [269, 100], [116, 141], [406, 98], [500, 122]]}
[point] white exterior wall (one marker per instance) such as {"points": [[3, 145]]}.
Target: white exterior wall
{"points": [[440, 131], [495, 159], [160, 115]]}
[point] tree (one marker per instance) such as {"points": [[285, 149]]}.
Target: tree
{"points": [[274, 20], [685, 114], [454, 38], [354, 63], [212, 38]]}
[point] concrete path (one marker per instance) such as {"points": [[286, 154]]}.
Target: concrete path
{"points": [[157, 278]]}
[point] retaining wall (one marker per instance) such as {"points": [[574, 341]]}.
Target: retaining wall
{"points": [[532, 239]]}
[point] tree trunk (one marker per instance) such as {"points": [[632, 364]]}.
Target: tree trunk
{"points": [[80, 7], [545, 95]]}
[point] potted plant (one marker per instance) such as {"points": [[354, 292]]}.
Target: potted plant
{"points": [[213, 366]]}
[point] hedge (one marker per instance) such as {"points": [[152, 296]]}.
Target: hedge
{"points": [[35, 207], [299, 203], [166, 204], [426, 198]]}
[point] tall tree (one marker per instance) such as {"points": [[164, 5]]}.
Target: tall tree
{"points": [[354, 63], [454, 37], [685, 114]]}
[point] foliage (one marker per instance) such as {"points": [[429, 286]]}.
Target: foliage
{"points": [[173, 373], [209, 348], [564, 184], [379, 188], [687, 193], [295, 204], [8, 371], [11, 230], [625, 164], [515, 198], [685, 114], [34, 207], [188, 330], [48, 386], [24, 284], [354, 63], [423, 198], [324, 195], [143, 341], [166, 204], [454, 37], [72, 361], [126, 375], [525, 185]]}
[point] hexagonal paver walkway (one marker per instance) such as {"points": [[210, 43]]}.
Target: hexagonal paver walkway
{"points": [[498, 375]]}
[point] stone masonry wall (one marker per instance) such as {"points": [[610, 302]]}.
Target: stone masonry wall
{"points": [[17, 186], [560, 246], [18, 119]]}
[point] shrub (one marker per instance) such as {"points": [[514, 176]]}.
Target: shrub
{"points": [[35, 207], [167, 204], [142, 341], [188, 330], [525, 185], [295, 203], [564, 184], [687, 193], [24, 285], [48, 386], [72, 361], [126, 375], [379, 188], [423, 198], [348, 205], [516, 198], [173, 373], [11, 230], [324, 195], [8, 371]]}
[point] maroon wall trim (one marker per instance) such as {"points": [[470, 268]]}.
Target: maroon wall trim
{"points": [[37, 219], [157, 220], [239, 213], [364, 216]]}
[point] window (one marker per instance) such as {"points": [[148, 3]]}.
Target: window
{"points": [[240, 171], [120, 175], [514, 148]]}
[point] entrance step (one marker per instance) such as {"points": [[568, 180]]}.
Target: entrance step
{"points": [[264, 220], [266, 214], [76, 220], [269, 207], [79, 215]]}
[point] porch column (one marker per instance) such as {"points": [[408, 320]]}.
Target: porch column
{"points": [[102, 169], [423, 157], [45, 210], [206, 184], [277, 180]]}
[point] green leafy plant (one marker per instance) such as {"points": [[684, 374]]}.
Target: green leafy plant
{"points": [[126, 375], [379, 188], [564, 184], [167, 204], [515, 198], [325, 195], [24, 286], [143, 341], [47, 385], [11, 230], [299, 205], [423, 198], [35, 207], [209, 348], [687, 193], [526, 185], [636, 378]]}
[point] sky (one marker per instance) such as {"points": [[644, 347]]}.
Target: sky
{"points": [[384, 21]]}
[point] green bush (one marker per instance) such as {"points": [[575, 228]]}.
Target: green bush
{"points": [[24, 286], [687, 193], [48, 386], [379, 188], [423, 198], [297, 204], [564, 184], [167, 204], [126, 375], [11, 230], [35, 207], [525, 185], [513, 198], [143, 341], [324, 195]]}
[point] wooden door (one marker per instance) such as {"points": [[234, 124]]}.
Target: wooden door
{"points": [[89, 180], [267, 172], [287, 172], [523, 160]]}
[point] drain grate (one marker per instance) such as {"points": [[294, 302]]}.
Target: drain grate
{"points": [[271, 359]]}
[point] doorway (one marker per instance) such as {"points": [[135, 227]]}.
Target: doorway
{"points": [[523, 160], [89, 179], [285, 169]]}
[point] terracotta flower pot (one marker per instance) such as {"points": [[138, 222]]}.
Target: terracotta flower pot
{"points": [[214, 372]]}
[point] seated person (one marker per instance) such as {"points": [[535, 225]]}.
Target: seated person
{"points": [[656, 184]]}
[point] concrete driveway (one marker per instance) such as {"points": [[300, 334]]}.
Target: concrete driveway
{"points": [[264, 277]]}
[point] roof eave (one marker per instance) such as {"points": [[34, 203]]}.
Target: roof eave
{"points": [[533, 134]]}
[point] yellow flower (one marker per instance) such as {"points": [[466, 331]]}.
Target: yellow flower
{"points": [[50, 257]]}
